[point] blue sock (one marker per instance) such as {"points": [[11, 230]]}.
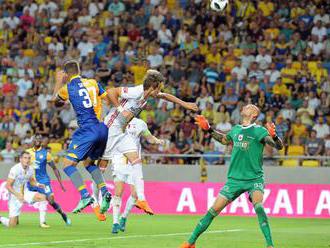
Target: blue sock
{"points": [[73, 173], [97, 177]]}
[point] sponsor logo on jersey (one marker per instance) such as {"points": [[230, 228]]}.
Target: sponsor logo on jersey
{"points": [[240, 137]]}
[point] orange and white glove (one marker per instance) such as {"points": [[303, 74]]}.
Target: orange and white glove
{"points": [[271, 129], [202, 122]]}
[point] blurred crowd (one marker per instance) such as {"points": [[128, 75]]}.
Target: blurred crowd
{"points": [[275, 54]]}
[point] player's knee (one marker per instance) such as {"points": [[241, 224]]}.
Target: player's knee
{"points": [[50, 199], [258, 207]]}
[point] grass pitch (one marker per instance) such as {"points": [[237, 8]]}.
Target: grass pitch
{"points": [[163, 231]]}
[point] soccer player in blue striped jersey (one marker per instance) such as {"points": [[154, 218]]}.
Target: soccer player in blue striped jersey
{"points": [[89, 140], [40, 158]]}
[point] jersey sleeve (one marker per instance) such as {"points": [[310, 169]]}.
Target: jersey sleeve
{"points": [[132, 92], [229, 135], [102, 92], [144, 129], [49, 157], [12, 173], [262, 133], [63, 93]]}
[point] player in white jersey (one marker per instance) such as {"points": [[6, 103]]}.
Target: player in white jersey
{"points": [[124, 172], [129, 102], [19, 175]]}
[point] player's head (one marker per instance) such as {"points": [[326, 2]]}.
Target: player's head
{"points": [[153, 81], [71, 67], [37, 140], [25, 159], [250, 112]]}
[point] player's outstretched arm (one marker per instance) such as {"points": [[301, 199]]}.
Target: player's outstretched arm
{"points": [[272, 139], [57, 174], [113, 95], [187, 105], [202, 122]]}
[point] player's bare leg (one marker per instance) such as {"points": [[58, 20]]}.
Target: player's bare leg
{"points": [[257, 199], [42, 206], [220, 203], [141, 203], [130, 203], [69, 167], [102, 164], [97, 176], [58, 209]]}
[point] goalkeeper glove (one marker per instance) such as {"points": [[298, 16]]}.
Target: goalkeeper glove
{"points": [[202, 122]]}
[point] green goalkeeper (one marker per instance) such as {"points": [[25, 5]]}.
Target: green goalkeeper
{"points": [[245, 172]]}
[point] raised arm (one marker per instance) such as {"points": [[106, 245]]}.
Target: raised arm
{"points": [[152, 139], [272, 139], [202, 122], [113, 95], [57, 173], [187, 105]]}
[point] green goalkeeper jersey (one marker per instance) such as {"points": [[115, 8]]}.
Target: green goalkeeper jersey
{"points": [[247, 154]]}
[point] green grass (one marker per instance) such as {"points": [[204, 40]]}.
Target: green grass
{"points": [[150, 231]]}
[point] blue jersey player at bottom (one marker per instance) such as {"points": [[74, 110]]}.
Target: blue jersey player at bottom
{"points": [[40, 158]]}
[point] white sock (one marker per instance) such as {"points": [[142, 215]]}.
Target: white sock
{"points": [[96, 192], [4, 221], [42, 211], [138, 181], [129, 205], [116, 204]]}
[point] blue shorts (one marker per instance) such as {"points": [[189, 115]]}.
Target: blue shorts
{"points": [[88, 142], [46, 191]]}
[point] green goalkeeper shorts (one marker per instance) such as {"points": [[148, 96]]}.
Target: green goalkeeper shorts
{"points": [[234, 188]]}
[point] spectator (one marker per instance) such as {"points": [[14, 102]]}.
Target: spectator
{"points": [[8, 155], [116, 7], [211, 76], [313, 145], [22, 127], [288, 112], [23, 85], [230, 100], [298, 129], [321, 128], [213, 159], [204, 98]]}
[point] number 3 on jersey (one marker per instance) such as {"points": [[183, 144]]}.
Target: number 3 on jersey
{"points": [[85, 93]]}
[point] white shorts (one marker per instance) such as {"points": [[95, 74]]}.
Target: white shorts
{"points": [[122, 171], [15, 206], [119, 144]]}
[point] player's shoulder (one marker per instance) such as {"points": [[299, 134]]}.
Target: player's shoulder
{"points": [[15, 169], [260, 128]]}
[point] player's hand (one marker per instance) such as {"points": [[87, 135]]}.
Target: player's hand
{"points": [[202, 122], [191, 106], [160, 142], [271, 129], [40, 185]]}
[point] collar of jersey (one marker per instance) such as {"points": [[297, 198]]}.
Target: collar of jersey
{"points": [[74, 76], [251, 125], [33, 149]]}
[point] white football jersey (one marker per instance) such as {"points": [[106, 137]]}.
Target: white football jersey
{"points": [[130, 97], [20, 176], [136, 128]]}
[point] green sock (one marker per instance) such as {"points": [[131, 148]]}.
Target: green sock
{"points": [[202, 225], [263, 223]]}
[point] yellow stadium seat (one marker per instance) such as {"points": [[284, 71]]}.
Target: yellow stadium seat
{"points": [[290, 162], [55, 148], [295, 151], [310, 163], [281, 152]]}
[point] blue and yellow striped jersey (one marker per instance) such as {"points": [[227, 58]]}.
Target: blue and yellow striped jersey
{"points": [[85, 96], [39, 160]]}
